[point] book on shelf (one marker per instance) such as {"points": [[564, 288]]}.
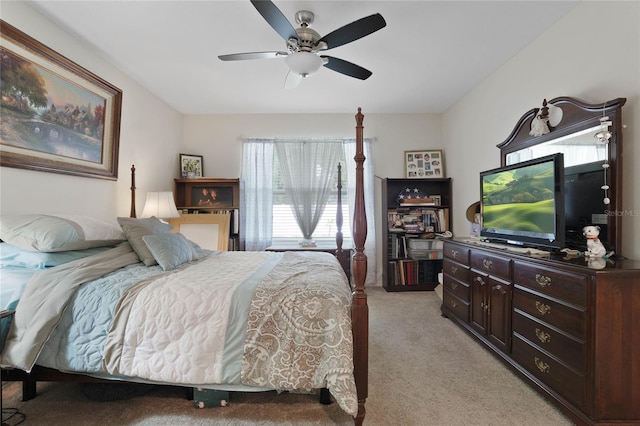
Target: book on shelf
{"points": [[418, 220], [409, 272]]}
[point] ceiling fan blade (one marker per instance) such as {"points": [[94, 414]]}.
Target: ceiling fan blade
{"points": [[292, 80], [252, 55], [276, 19], [346, 68], [354, 31]]}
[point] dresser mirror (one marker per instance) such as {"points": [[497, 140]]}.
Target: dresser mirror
{"points": [[590, 164]]}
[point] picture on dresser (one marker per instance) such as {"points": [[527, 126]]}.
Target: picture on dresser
{"points": [[191, 166], [424, 164]]}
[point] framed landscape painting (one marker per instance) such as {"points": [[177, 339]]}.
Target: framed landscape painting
{"points": [[56, 116]]}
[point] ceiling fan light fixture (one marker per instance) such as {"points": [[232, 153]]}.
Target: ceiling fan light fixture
{"points": [[304, 63]]}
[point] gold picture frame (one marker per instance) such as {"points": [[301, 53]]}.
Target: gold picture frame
{"points": [[57, 116], [426, 163]]}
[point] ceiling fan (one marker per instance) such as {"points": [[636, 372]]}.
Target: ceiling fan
{"points": [[303, 45]]}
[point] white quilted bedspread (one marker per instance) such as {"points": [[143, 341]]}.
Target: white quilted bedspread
{"points": [[267, 320], [172, 329], [270, 320]]}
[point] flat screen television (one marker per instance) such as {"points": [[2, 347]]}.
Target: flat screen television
{"points": [[523, 203]]}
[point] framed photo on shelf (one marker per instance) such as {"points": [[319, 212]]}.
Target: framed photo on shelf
{"points": [[211, 196], [428, 163], [57, 116], [437, 199], [191, 166]]}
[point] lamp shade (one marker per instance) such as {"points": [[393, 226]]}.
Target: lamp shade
{"points": [[160, 205], [304, 63]]}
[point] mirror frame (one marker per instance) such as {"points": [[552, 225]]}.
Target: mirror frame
{"points": [[578, 115]]}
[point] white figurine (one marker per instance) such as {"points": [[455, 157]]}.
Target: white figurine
{"points": [[596, 262], [539, 125], [594, 246]]}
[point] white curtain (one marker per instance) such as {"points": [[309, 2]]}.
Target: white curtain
{"points": [[257, 195], [308, 174], [369, 204], [256, 179]]}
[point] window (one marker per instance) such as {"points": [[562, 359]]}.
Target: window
{"points": [[284, 222]]}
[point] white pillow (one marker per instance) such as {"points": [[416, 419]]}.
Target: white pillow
{"points": [[53, 233]]}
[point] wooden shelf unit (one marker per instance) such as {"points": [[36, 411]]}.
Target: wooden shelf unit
{"points": [[405, 268], [187, 194]]}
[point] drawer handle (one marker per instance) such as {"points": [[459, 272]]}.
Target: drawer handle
{"points": [[542, 366], [542, 308], [544, 337], [487, 263], [543, 280], [454, 254], [454, 269], [454, 286], [453, 304]]}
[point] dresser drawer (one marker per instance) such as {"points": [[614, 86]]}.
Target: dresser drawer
{"points": [[457, 253], [567, 349], [491, 264], [456, 270], [459, 307], [571, 288], [568, 383], [459, 288], [567, 319]]}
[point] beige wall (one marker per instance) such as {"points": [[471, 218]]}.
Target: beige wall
{"points": [[219, 139], [564, 61], [592, 54], [150, 138]]}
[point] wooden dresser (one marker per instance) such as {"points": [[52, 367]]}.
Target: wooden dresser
{"points": [[570, 330]]}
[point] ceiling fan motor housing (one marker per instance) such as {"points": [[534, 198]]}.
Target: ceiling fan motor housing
{"points": [[308, 38]]}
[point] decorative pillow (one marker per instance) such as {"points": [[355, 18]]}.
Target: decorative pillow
{"points": [[170, 250], [15, 257], [134, 229], [53, 233]]}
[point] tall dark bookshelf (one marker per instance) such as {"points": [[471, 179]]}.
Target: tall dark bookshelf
{"points": [[412, 258]]}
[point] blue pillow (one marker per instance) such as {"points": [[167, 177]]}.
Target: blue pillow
{"points": [[170, 250], [15, 257]]}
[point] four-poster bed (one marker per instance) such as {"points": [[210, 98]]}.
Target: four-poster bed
{"points": [[342, 362]]}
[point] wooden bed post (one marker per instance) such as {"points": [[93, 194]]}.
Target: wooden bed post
{"points": [[359, 308], [339, 223], [133, 191]]}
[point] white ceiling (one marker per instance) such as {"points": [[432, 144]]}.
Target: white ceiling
{"points": [[430, 54]]}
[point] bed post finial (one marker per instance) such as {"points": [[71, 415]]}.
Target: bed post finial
{"points": [[359, 308], [132, 213]]}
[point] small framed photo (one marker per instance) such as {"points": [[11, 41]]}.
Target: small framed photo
{"points": [[211, 196], [428, 163], [437, 199], [191, 166]]}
